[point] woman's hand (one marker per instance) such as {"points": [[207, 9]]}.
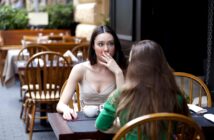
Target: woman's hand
{"points": [[110, 63], [69, 114]]}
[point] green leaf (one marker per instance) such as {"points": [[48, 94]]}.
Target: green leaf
{"points": [[60, 16], [13, 18]]}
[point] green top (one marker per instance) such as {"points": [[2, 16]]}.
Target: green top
{"points": [[106, 118]]}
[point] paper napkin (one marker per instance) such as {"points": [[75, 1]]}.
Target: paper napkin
{"points": [[196, 109], [209, 117], [70, 54]]}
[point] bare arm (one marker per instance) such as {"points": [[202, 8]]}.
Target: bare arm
{"points": [[67, 94], [119, 78]]}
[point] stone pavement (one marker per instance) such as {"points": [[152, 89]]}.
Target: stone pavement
{"points": [[11, 126]]}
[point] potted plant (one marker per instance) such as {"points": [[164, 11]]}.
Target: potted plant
{"points": [[61, 17], [13, 18]]}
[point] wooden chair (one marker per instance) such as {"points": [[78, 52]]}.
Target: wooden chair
{"points": [[194, 89], [169, 125], [24, 55], [71, 103], [45, 74], [82, 48]]}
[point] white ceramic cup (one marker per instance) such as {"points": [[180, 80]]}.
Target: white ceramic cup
{"points": [[91, 110]]}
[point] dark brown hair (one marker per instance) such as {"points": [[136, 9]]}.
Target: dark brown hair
{"points": [[150, 85], [118, 55]]}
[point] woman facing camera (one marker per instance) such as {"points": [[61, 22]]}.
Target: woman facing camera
{"points": [[150, 87], [97, 77]]}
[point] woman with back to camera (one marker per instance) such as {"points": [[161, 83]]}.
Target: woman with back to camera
{"points": [[97, 77], [150, 87]]}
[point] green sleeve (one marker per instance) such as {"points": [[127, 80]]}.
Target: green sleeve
{"points": [[106, 118], [180, 100]]}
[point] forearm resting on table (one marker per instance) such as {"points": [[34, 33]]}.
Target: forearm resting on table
{"points": [[63, 103], [61, 107]]}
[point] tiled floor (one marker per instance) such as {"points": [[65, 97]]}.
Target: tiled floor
{"points": [[11, 126]]}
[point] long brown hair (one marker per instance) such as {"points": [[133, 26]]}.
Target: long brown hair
{"points": [[150, 85]]}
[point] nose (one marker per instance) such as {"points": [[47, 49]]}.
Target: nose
{"points": [[106, 49]]}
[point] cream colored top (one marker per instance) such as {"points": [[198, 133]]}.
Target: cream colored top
{"points": [[89, 96]]}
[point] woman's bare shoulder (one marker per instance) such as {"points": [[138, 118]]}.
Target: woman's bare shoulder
{"points": [[82, 67]]}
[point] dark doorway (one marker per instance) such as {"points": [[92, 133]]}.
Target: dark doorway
{"points": [[180, 26]]}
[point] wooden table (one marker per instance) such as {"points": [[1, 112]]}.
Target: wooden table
{"points": [[206, 125], [61, 47], [3, 59], [64, 131], [9, 70], [55, 42], [82, 128]]}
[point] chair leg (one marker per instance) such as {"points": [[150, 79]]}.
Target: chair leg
{"points": [[24, 108], [25, 111], [28, 108], [27, 125], [32, 121], [21, 91]]}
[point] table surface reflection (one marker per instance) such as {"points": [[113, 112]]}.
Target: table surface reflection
{"points": [[82, 128], [206, 125]]}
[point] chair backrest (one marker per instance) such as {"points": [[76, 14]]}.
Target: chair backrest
{"points": [[45, 74], [25, 53], [194, 89], [165, 126], [82, 48], [77, 96], [30, 50]]}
